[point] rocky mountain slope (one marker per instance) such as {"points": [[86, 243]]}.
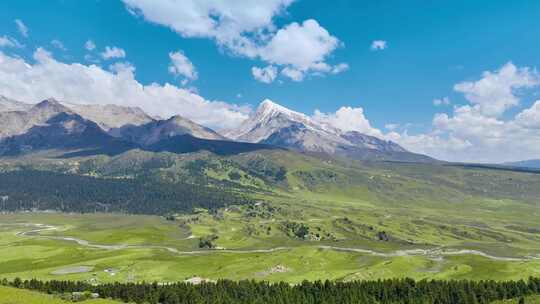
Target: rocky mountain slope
{"points": [[64, 131], [18, 122], [109, 117], [157, 130], [7, 105]]}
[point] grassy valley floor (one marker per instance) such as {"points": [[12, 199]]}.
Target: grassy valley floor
{"points": [[150, 248]]}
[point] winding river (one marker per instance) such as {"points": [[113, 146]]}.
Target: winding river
{"points": [[434, 253]]}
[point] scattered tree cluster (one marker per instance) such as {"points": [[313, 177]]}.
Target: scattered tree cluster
{"points": [[207, 242], [395, 291], [294, 229]]}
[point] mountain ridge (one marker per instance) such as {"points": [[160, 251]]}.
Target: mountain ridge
{"points": [[529, 163], [271, 125]]}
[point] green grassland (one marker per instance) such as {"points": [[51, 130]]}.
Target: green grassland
{"points": [[10, 295], [319, 216]]}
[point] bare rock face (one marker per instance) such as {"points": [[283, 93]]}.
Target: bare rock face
{"points": [[18, 122], [62, 131], [156, 131], [9, 105], [110, 117]]}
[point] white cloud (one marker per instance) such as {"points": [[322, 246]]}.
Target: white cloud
{"points": [[89, 45], [246, 28], [122, 68], [293, 74], [476, 132], [445, 101], [58, 44], [266, 75], [302, 46], [348, 119], [90, 84], [22, 28], [379, 45], [6, 41], [494, 93], [468, 135], [530, 118], [227, 21], [342, 67], [113, 52], [181, 66]]}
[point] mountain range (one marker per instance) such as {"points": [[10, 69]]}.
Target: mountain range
{"points": [[51, 124], [531, 163]]}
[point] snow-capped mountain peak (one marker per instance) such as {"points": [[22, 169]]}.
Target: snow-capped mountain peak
{"points": [[277, 125], [269, 118], [268, 109]]}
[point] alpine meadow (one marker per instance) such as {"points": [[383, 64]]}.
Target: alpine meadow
{"points": [[144, 157]]}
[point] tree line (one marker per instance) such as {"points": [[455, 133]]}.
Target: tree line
{"points": [[43, 190], [389, 291]]}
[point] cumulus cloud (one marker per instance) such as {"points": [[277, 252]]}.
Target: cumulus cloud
{"points": [[302, 49], [293, 74], [441, 101], [89, 45], [266, 75], [339, 68], [246, 28], [303, 46], [227, 21], [494, 93], [113, 52], [22, 28], [530, 118], [181, 66], [6, 41], [348, 119], [91, 84], [476, 131], [379, 45]]}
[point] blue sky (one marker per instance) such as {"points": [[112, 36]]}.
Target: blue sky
{"points": [[430, 47]]}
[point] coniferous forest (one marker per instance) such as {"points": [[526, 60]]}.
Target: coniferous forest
{"points": [[405, 291], [42, 190]]}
